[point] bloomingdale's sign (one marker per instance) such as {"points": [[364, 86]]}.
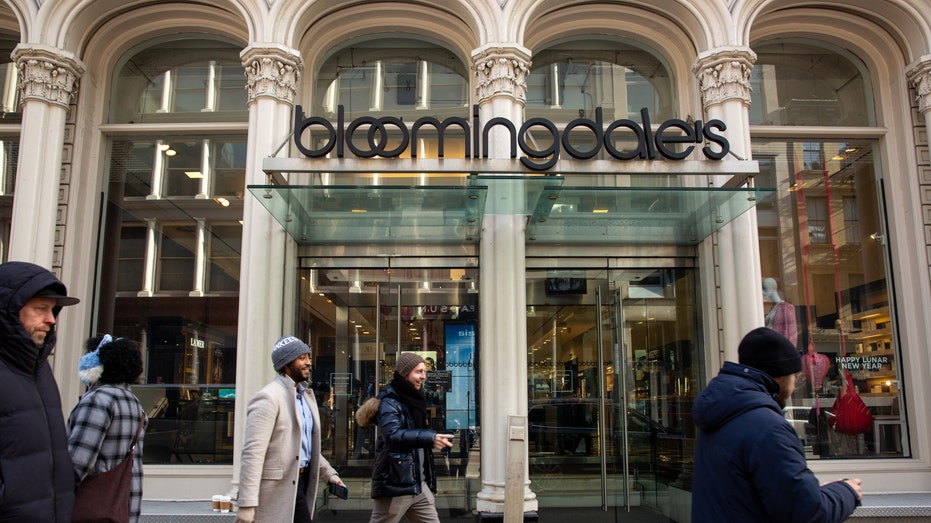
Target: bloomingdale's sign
{"points": [[649, 143]]}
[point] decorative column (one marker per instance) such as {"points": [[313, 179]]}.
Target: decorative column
{"points": [[500, 80], [919, 77], [48, 80], [272, 75], [724, 78]]}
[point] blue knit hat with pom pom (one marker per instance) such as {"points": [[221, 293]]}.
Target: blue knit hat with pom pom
{"points": [[89, 368]]}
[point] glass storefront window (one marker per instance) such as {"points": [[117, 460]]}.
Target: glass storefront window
{"points": [[570, 80], [827, 287], [9, 152], [358, 320], [10, 113], [800, 83], [172, 243]]}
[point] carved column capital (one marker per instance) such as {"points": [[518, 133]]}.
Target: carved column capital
{"points": [[272, 71], [919, 77], [47, 74], [724, 74], [500, 70]]}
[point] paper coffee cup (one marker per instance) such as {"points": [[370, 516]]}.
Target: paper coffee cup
{"points": [[215, 502], [225, 502]]}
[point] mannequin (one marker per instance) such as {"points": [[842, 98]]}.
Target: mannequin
{"points": [[781, 316]]}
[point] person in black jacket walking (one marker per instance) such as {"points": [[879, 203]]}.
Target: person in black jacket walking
{"points": [[36, 474], [404, 478], [749, 462]]}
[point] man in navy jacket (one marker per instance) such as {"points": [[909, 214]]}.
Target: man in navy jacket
{"points": [[36, 474], [749, 462]]}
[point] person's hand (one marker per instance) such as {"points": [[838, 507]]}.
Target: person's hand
{"points": [[245, 514], [855, 485], [336, 481], [442, 441]]}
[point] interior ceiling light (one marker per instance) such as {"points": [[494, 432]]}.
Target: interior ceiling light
{"points": [[170, 152], [222, 201], [194, 174]]}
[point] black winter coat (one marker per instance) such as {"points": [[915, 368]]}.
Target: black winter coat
{"points": [[397, 462], [37, 477], [749, 462]]}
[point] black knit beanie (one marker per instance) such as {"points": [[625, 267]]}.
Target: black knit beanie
{"points": [[770, 352]]}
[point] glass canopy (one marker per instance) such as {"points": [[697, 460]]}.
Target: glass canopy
{"points": [[559, 215], [637, 215], [380, 214]]}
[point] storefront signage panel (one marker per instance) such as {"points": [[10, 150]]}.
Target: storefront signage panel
{"points": [[650, 144]]}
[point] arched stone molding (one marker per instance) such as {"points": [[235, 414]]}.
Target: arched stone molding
{"points": [[47, 74], [724, 74], [704, 22], [500, 71], [362, 22], [463, 24], [70, 25], [272, 71], [11, 21], [909, 19]]}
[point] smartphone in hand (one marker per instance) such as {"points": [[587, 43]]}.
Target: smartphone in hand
{"points": [[339, 491]]}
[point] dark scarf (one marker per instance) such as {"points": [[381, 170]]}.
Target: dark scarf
{"points": [[413, 398]]}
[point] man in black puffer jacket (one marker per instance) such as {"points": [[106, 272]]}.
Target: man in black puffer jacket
{"points": [[36, 474], [404, 478]]}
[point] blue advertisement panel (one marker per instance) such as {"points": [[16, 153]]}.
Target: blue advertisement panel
{"points": [[460, 361]]}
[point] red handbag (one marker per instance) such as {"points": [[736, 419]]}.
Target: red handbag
{"points": [[850, 414]]}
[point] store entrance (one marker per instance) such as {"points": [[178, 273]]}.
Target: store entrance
{"points": [[613, 368], [360, 314]]}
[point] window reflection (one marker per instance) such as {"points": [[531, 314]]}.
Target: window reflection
{"points": [[822, 252], [798, 83], [569, 80], [172, 241]]}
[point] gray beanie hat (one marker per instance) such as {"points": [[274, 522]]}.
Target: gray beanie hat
{"points": [[286, 350], [406, 363]]}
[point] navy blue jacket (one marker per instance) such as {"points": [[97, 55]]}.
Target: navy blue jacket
{"points": [[37, 478], [397, 462], [749, 462]]}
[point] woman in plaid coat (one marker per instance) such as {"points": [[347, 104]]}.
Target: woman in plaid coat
{"points": [[105, 421]]}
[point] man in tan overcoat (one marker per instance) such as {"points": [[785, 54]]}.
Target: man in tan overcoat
{"points": [[281, 462]]}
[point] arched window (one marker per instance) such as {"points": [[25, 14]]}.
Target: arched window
{"points": [[173, 236], [823, 250], [570, 79], [395, 77]]}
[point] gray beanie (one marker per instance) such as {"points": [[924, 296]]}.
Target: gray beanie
{"points": [[286, 350], [406, 363]]}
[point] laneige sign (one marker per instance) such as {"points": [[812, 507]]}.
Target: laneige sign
{"points": [[373, 133]]}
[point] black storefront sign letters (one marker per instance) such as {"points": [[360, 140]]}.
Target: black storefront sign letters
{"points": [[649, 143]]}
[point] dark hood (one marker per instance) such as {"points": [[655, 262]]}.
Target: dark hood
{"points": [[19, 282], [734, 391]]}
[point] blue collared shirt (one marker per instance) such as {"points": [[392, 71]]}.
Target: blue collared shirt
{"points": [[307, 425]]}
